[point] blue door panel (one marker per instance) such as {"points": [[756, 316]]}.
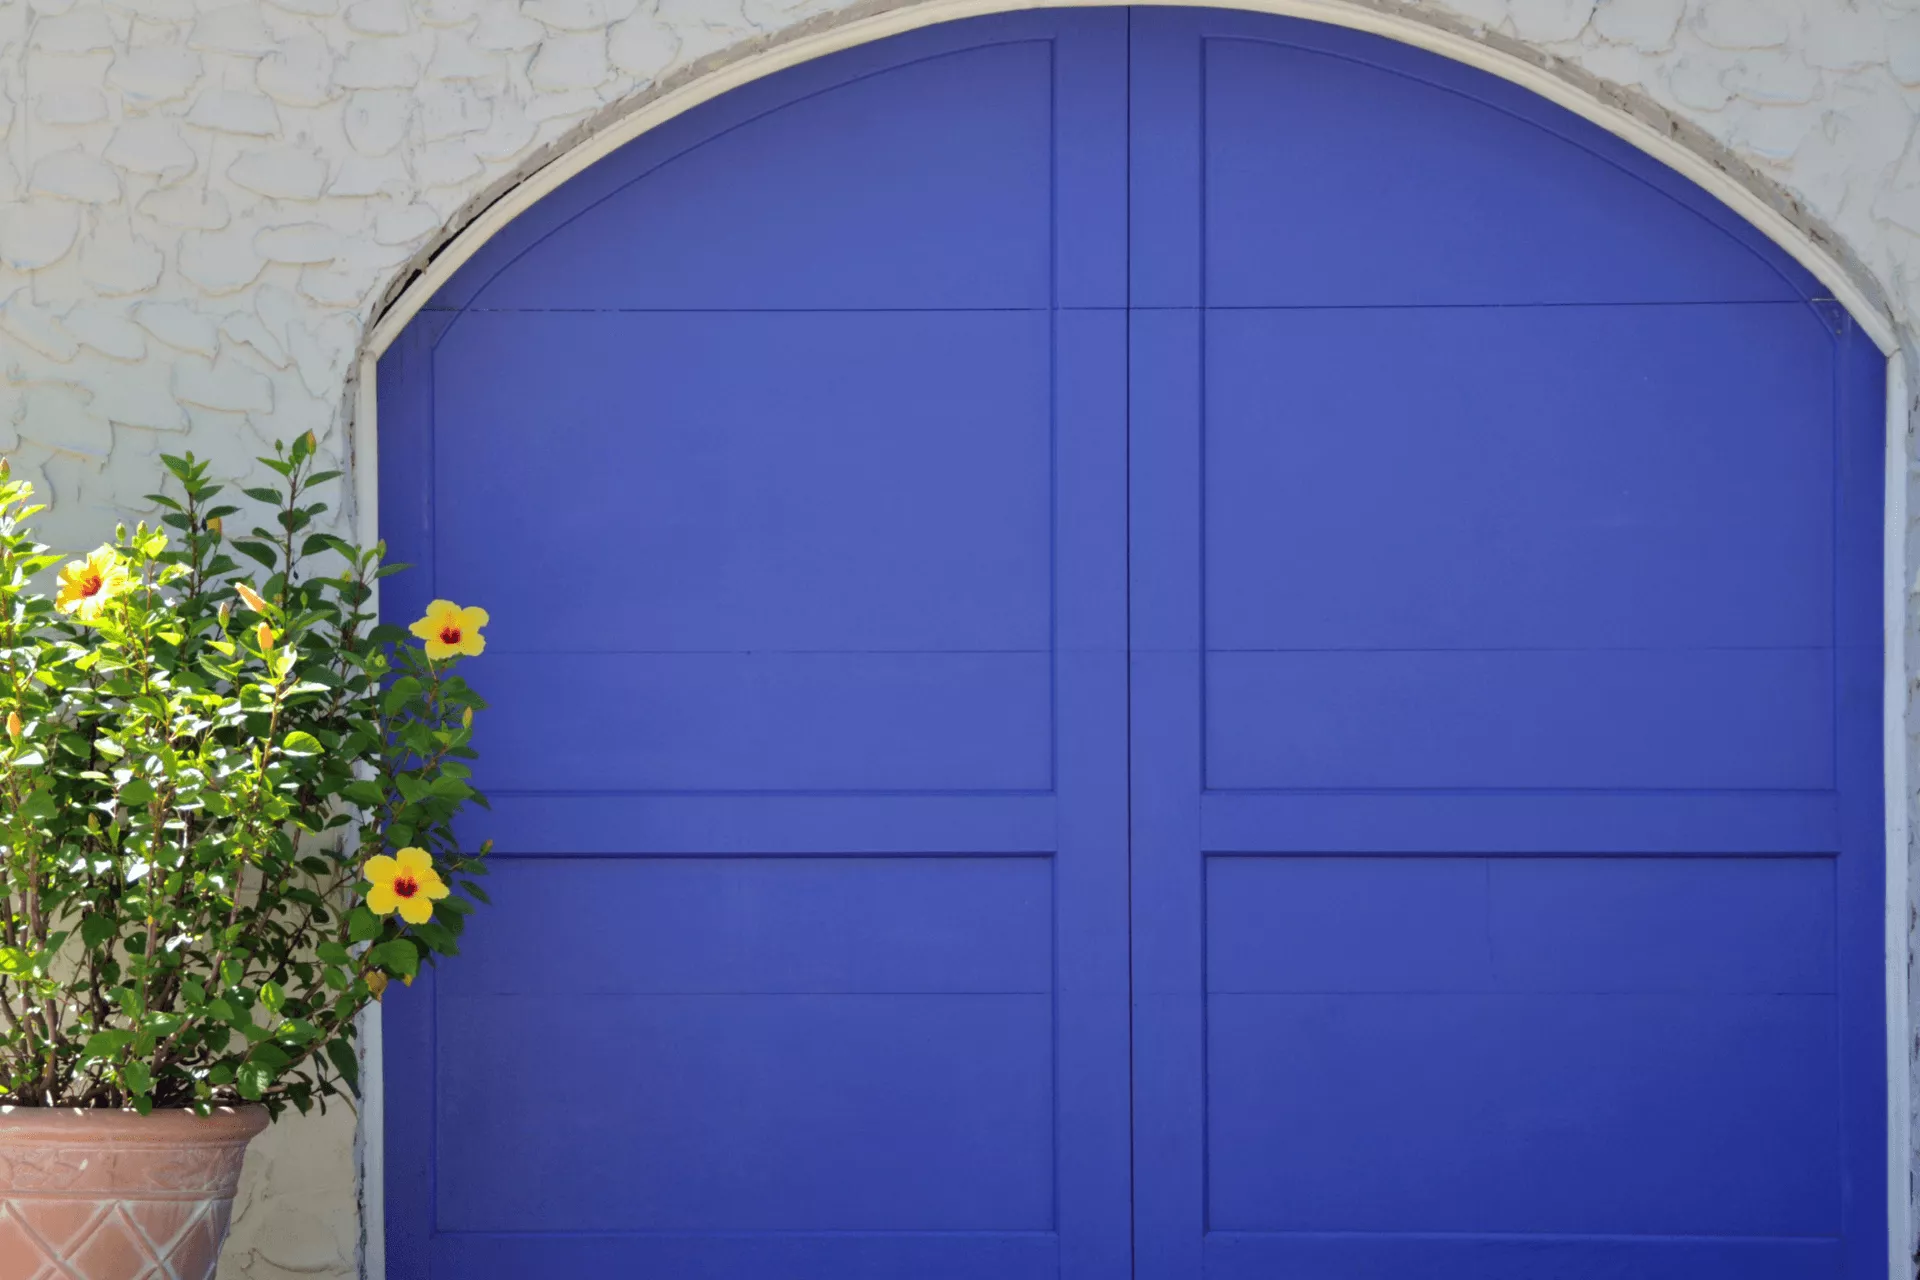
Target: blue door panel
{"points": [[1531, 477], [882, 177], [1158, 644], [924, 523], [1488, 631]]}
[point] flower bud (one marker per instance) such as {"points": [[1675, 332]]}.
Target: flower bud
{"points": [[313, 442], [214, 526], [226, 613], [6, 468], [466, 718], [14, 728], [376, 983], [264, 634], [252, 597]]}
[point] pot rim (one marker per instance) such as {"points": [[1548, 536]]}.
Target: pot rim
{"points": [[170, 1126]]}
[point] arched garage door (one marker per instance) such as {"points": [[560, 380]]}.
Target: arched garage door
{"points": [[1158, 644]]}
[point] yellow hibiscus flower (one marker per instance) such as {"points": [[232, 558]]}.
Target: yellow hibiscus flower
{"points": [[449, 630], [87, 586], [406, 883]]}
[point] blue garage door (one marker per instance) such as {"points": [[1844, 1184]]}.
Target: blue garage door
{"points": [[1148, 644]]}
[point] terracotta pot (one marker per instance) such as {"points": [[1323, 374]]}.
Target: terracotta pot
{"points": [[111, 1195]]}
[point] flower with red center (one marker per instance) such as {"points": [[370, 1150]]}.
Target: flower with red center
{"points": [[88, 586], [450, 630], [406, 883]]}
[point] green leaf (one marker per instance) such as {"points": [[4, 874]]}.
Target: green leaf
{"points": [[397, 955], [137, 791], [273, 995], [104, 1044], [333, 953], [346, 1062], [138, 1077], [301, 743], [97, 928], [363, 925], [260, 493], [253, 1080]]}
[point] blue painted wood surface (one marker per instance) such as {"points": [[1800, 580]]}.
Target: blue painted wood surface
{"points": [[1152, 644]]}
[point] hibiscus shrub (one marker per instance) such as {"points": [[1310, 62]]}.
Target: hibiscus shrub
{"points": [[226, 802]]}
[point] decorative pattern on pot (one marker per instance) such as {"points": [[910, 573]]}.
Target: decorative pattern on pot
{"points": [[113, 1195]]}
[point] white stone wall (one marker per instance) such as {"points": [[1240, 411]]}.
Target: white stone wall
{"points": [[204, 202]]}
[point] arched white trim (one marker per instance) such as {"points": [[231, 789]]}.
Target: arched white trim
{"points": [[1797, 242], [1345, 13]]}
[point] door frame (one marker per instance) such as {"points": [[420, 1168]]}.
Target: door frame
{"points": [[1616, 117]]}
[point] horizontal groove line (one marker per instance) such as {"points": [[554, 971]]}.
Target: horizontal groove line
{"points": [[1529, 1236], [1713, 993], [1616, 793], [564, 793], [546, 992], [1117, 308], [754, 1235]]}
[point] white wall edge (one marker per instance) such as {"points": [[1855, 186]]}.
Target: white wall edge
{"points": [[1750, 206], [1894, 730], [364, 461]]}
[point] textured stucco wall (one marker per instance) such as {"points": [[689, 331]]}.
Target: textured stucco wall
{"points": [[203, 203]]}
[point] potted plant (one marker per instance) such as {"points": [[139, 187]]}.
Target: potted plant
{"points": [[226, 805]]}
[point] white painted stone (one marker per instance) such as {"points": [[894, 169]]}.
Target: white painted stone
{"points": [[74, 175], [445, 164], [12, 187], [278, 309], [308, 8], [71, 104], [377, 64], [405, 226], [236, 28], [226, 384], [157, 10], [1549, 21], [245, 328], [1741, 24], [106, 331], [706, 26], [1772, 135], [146, 77], [238, 111], [379, 18], [301, 243], [37, 327], [453, 112], [60, 417], [1846, 39], [642, 47], [507, 31], [186, 207], [1903, 50], [455, 58], [567, 62], [180, 325], [76, 31], [321, 353], [578, 15], [332, 288], [376, 119], [509, 135], [446, 13], [220, 261], [37, 233], [1770, 77], [141, 397], [151, 145], [287, 172], [1696, 82], [1647, 25], [299, 73], [115, 262], [363, 176]]}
